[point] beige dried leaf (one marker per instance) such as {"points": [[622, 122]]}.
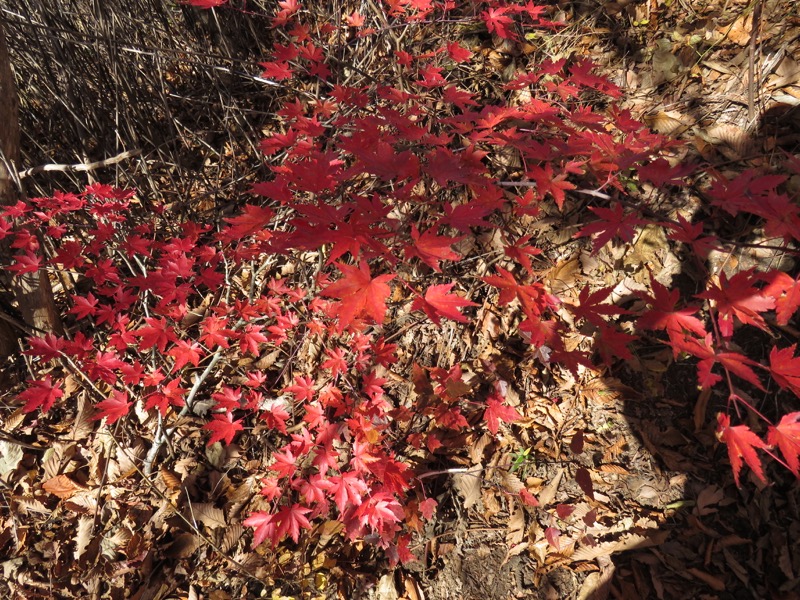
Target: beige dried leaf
{"points": [[548, 494], [83, 424], [413, 589], [13, 420], [666, 66], [616, 469], [597, 585], [563, 277], [632, 541], [28, 504], [266, 361], [83, 502], [476, 450], [469, 485], [611, 453], [718, 66], [232, 536], [511, 483], [386, 589], [83, 535], [727, 133], [740, 30], [56, 457], [127, 459], [10, 456], [101, 449], [667, 122], [516, 525], [112, 545], [209, 515], [491, 506], [328, 530], [238, 497], [170, 479]]}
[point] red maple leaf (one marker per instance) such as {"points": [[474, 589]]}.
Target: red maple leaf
{"points": [[521, 252], [354, 19], [431, 248], [42, 394], [580, 73], [734, 362], [285, 463], [553, 535], [439, 302], [660, 173], [742, 444], [497, 22], [786, 293], [290, 520], [48, 347], [25, 263], [547, 182], [252, 220], [785, 368], [103, 367], [264, 526], [457, 52], [336, 362], [465, 216], [223, 427], [114, 407], [250, 338], [497, 411], [288, 10], [664, 315], [592, 306], [737, 297], [185, 352], [465, 167], [613, 222], [156, 333], [171, 393], [303, 388], [84, 306], [313, 491], [347, 489], [360, 294], [786, 436], [533, 297], [691, 233], [214, 332], [427, 508], [611, 342], [227, 398], [380, 512]]}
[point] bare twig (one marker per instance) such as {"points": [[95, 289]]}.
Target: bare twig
{"points": [[751, 68], [162, 434], [80, 166]]}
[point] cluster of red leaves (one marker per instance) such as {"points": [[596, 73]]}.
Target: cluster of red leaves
{"points": [[385, 182]]}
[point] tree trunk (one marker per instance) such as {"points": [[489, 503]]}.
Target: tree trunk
{"points": [[32, 291]]}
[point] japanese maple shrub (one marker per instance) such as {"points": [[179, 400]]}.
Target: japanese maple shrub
{"points": [[381, 186]]}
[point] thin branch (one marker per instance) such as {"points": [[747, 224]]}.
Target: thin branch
{"points": [[80, 166]]}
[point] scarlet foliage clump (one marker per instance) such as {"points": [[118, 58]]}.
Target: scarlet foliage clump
{"points": [[381, 190]]}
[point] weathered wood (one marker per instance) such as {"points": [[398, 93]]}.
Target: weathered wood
{"points": [[32, 291]]}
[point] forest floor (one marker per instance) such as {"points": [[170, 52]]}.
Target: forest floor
{"points": [[626, 456]]}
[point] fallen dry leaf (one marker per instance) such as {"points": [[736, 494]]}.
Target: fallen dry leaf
{"points": [[61, 486]]}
